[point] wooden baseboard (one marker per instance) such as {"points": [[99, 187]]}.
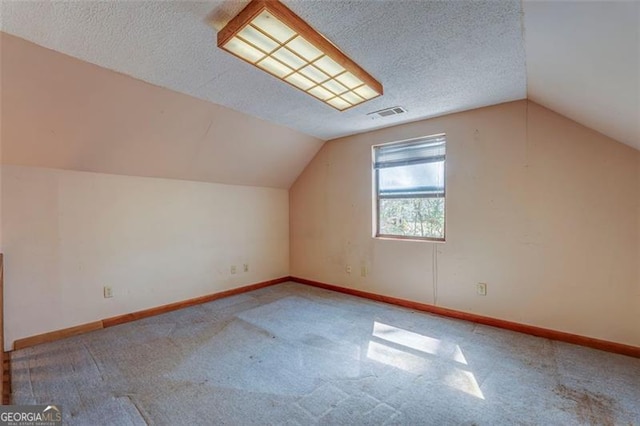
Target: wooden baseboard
{"points": [[109, 322], [3, 387], [575, 339], [603, 345], [121, 319], [56, 335], [6, 378]]}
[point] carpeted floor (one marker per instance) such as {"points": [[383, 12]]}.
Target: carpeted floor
{"points": [[292, 354]]}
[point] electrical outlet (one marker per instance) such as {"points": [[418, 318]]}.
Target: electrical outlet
{"points": [[233, 269], [107, 291], [482, 289], [246, 267], [348, 269]]}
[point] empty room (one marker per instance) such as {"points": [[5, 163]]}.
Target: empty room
{"points": [[341, 212]]}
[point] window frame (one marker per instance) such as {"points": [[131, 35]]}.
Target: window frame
{"points": [[376, 193]]}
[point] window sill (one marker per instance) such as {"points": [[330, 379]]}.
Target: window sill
{"points": [[414, 239]]}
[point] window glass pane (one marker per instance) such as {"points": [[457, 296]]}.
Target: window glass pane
{"points": [[412, 217], [413, 180]]}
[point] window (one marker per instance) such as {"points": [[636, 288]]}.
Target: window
{"points": [[409, 186]]}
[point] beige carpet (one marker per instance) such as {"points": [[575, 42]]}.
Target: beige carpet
{"points": [[292, 354]]}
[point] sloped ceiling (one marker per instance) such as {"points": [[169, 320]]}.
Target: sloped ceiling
{"points": [[583, 61], [433, 57], [61, 112]]}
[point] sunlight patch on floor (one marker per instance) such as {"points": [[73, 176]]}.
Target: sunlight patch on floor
{"points": [[418, 342], [397, 358], [384, 348], [464, 381]]}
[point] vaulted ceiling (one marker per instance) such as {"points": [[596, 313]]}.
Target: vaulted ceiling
{"points": [[64, 113], [583, 61], [433, 58]]}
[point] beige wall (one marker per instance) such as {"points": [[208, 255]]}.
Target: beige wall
{"points": [[2, 88], [542, 209], [155, 241], [67, 234]]}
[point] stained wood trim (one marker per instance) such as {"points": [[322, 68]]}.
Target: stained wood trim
{"points": [[240, 21], [3, 386], [56, 335], [121, 319], [109, 322], [314, 37], [6, 378], [561, 336]]}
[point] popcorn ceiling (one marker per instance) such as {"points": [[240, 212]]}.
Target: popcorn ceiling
{"points": [[432, 58]]}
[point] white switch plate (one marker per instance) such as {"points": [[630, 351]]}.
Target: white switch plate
{"points": [[233, 269], [108, 292], [246, 267]]}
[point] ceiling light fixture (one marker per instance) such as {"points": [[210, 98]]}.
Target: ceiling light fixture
{"points": [[270, 36]]}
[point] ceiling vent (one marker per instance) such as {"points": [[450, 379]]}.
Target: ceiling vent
{"points": [[387, 112]]}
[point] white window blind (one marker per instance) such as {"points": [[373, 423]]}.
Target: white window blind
{"points": [[425, 150], [412, 169]]}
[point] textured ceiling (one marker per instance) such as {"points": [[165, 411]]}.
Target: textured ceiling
{"points": [[582, 58], [583, 61], [433, 58]]}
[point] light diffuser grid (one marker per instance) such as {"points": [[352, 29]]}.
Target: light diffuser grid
{"points": [[269, 44]]}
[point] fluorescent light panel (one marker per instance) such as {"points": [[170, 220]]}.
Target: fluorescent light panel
{"points": [[268, 35]]}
